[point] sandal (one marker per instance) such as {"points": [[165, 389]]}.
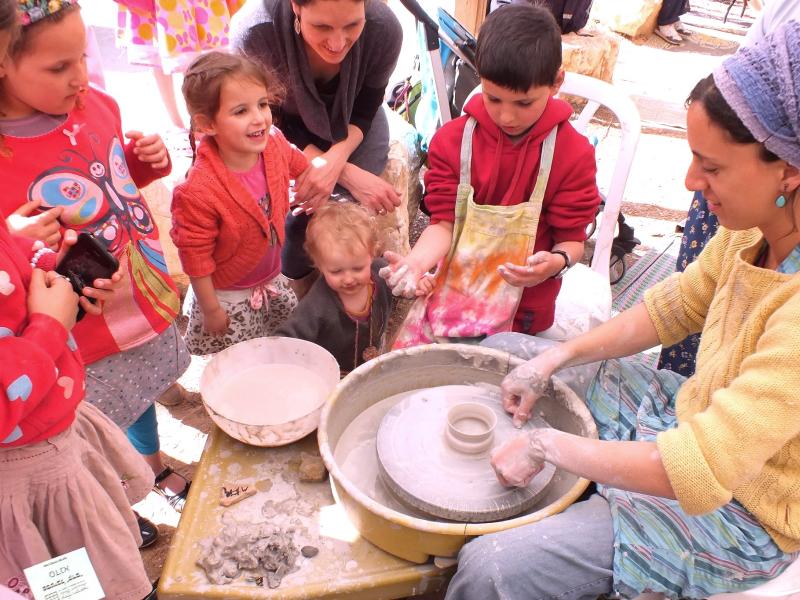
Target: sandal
{"points": [[178, 500], [153, 595], [669, 37], [147, 529]]}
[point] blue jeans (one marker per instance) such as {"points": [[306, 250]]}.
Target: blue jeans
{"points": [[567, 556]]}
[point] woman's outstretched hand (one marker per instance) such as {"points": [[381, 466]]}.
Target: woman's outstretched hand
{"points": [[371, 191], [518, 461], [522, 388]]}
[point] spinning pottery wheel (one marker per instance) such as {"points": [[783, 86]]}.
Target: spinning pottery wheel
{"points": [[433, 452]]}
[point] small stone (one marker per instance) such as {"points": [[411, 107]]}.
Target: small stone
{"points": [[312, 468], [309, 551]]}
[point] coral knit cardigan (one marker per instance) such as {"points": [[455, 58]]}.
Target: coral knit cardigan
{"points": [[217, 225]]}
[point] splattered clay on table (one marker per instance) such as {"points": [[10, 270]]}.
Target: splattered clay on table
{"points": [[261, 550]]}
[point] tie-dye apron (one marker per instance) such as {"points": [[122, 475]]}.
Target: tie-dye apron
{"points": [[470, 299]]}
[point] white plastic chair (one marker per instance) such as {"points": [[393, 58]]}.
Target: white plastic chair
{"points": [[784, 587], [585, 297]]}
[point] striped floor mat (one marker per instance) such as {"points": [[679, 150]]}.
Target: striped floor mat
{"points": [[656, 265]]}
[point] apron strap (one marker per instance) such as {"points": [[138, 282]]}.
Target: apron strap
{"points": [[545, 164], [466, 152]]}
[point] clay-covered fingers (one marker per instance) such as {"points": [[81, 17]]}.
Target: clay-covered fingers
{"points": [[399, 276], [533, 272], [518, 461], [521, 389]]}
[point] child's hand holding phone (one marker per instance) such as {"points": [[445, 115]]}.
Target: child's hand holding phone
{"points": [[93, 271], [51, 294]]}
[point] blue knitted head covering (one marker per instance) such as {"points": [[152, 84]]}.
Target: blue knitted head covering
{"points": [[762, 85]]}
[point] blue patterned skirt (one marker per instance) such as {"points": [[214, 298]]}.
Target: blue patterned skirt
{"points": [[658, 547]]}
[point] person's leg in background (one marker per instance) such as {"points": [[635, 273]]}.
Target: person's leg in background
{"points": [[700, 226], [668, 25], [167, 91], [143, 435], [567, 556]]}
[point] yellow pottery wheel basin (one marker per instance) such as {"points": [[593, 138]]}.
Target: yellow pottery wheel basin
{"points": [[415, 537], [268, 391]]}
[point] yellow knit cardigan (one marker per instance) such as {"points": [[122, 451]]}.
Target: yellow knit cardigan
{"points": [[738, 433]]}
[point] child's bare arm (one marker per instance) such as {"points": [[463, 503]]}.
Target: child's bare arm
{"points": [[404, 273], [215, 319], [147, 157]]}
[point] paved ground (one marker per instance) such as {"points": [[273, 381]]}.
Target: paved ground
{"points": [[656, 76]]}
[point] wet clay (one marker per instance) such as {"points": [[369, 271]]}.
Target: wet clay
{"points": [[269, 394], [260, 550], [420, 466]]}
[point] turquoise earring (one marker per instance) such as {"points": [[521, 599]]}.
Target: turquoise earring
{"points": [[780, 201]]}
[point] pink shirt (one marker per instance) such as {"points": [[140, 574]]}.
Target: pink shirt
{"points": [[255, 182]]}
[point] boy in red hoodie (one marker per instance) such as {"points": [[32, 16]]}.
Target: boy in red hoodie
{"points": [[510, 189]]}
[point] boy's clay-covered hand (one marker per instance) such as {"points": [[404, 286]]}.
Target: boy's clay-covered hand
{"points": [[518, 461], [44, 227], [401, 277], [149, 149], [51, 294], [537, 268]]}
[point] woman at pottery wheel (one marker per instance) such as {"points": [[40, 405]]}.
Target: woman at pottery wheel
{"points": [[697, 479], [335, 57]]}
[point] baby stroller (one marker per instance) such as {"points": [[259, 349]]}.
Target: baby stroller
{"points": [[447, 76]]}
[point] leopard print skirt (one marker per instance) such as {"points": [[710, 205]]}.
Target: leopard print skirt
{"points": [[253, 313]]}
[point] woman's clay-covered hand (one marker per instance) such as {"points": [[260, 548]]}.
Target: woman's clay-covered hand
{"points": [[537, 268], [216, 321], [43, 226], [315, 185], [372, 191], [400, 276], [51, 294], [518, 461], [522, 388]]}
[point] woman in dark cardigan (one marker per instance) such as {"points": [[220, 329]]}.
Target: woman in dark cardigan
{"points": [[335, 58]]}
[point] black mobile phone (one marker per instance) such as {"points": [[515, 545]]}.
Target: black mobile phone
{"points": [[86, 260]]}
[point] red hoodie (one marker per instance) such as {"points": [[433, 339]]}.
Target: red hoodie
{"points": [[504, 173]]}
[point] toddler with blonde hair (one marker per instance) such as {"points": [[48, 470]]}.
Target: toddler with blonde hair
{"points": [[347, 309]]}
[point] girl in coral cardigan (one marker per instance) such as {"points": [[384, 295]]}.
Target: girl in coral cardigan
{"points": [[228, 216]]}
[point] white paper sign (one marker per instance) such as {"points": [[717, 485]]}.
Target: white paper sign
{"points": [[66, 577]]}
